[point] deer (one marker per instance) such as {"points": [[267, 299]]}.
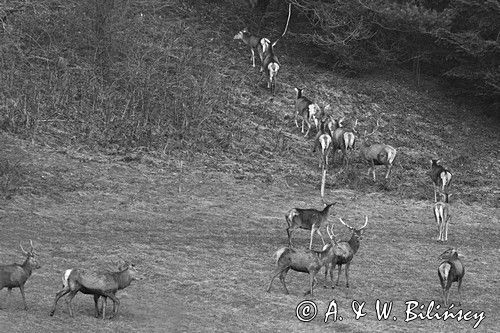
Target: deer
{"points": [[440, 176], [303, 260], [344, 252], [442, 216], [308, 219], [324, 140], [99, 284], [377, 154], [450, 270], [15, 275], [342, 139], [305, 109], [270, 64], [253, 42]]}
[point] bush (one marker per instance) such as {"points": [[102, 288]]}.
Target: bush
{"points": [[106, 73], [458, 40]]}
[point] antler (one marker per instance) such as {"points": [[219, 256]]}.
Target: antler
{"points": [[24, 251], [345, 224], [331, 234], [364, 225], [31, 251], [366, 222]]}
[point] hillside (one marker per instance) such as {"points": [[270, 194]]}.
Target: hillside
{"points": [[190, 172]]}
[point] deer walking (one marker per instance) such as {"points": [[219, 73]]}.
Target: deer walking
{"points": [[98, 284], [450, 270], [270, 64], [440, 176], [306, 110], [308, 219], [303, 260], [377, 154], [342, 139], [323, 139], [344, 252], [253, 42], [442, 216], [15, 275]]}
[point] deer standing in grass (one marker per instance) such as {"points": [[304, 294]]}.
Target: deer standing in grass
{"points": [[15, 275], [342, 139], [324, 140], [442, 216], [303, 260], [270, 64], [450, 270], [344, 252], [377, 154], [440, 176], [98, 284], [308, 219], [306, 110], [254, 43]]}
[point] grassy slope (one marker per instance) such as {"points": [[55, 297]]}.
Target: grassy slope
{"points": [[204, 229]]}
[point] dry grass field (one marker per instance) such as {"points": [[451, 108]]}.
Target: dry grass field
{"points": [[204, 240], [203, 226]]}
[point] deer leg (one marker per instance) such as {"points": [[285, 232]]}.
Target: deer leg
{"points": [[253, 57], [116, 304], [68, 301], [302, 130], [96, 303], [338, 275], [58, 295], [21, 287], [104, 304], [440, 230], [316, 141], [282, 278], [459, 294], [308, 129], [442, 282], [327, 152], [278, 272], [447, 292], [327, 267], [312, 278], [347, 274], [446, 229], [388, 171], [313, 230], [332, 267]]}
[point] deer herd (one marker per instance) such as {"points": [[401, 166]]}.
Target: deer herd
{"points": [[331, 136], [99, 284]]}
